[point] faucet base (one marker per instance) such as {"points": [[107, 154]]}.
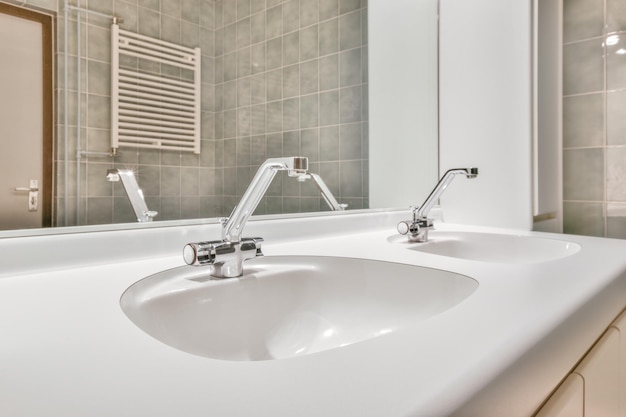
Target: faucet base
{"points": [[226, 258], [416, 230]]}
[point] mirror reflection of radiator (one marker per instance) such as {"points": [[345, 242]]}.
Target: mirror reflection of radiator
{"points": [[151, 106]]}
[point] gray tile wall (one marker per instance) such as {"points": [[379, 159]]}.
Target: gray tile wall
{"points": [[279, 78], [291, 79], [594, 122], [178, 185]]}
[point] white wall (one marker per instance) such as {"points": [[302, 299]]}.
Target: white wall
{"points": [[547, 157], [402, 101], [486, 110]]}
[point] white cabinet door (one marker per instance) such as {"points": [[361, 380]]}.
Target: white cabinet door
{"points": [[620, 325], [600, 372], [567, 400]]}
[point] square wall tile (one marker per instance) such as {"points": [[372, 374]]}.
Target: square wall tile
{"points": [[328, 9], [583, 67], [616, 15], [99, 210], [309, 77], [350, 104], [244, 35], [190, 11], [582, 19], [291, 81], [616, 174], [329, 143], [583, 120], [310, 144], [274, 22], [291, 114], [309, 40], [99, 78], [351, 183], [329, 171], [616, 221], [583, 219], [309, 12], [350, 142], [309, 111], [258, 119], [329, 108], [258, 58], [291, 48], [615, 120], [243, 9], [170, 181], [257, 6], [583, 174], [616, 62], [274, 85], [347, 6], [329, 72], [170, 208], [257, 28], [350, 30], [328, 37], [274, 53], [350, 67], [291, 16]]}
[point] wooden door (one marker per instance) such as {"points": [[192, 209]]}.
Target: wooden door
{"points": [[26, 118]]}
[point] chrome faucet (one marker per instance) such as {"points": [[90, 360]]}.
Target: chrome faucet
{"points": [[228, 255], [133, 192], [417, 228]]}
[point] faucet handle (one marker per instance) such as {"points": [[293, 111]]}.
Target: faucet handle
{"points": [[252, 243], [416, 230], [204, 253], [408, 226]]}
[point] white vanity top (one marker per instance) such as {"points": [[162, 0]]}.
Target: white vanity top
{"points": [[68, 349]]}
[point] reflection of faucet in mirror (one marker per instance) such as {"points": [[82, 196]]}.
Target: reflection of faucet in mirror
{"points": [[134, 193], [328, 196], [417, 229], [227, 255]]}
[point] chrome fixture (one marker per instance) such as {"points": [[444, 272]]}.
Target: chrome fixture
{"points": [[328, 196], [134, 193], [228, 255], [417, 229]]}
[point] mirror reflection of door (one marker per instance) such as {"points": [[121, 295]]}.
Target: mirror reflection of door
{"points": [[25, 118]]}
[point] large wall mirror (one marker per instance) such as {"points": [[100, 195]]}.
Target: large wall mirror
{"points": [[350, 84]]}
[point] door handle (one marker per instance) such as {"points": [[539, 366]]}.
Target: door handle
{"points": [[33, 194], [33, 186]]}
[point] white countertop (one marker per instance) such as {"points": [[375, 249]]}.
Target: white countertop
{"points": [[68, 349]]}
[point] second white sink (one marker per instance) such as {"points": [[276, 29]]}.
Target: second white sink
{"points": [[491, 247], [288, 306]]}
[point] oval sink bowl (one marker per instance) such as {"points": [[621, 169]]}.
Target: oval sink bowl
{"points": [[491, 247], [288, 306]]}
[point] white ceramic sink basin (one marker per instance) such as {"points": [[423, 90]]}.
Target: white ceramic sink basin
{"points": [[491, 247], [288, 306]]}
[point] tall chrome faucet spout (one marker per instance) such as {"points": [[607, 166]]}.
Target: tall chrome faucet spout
{"points": [[441, 186], [417, 229], [258, 186], [228, 255], [133, 192]]}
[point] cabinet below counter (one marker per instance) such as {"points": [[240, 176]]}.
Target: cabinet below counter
{"points": [[597, 385]]}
